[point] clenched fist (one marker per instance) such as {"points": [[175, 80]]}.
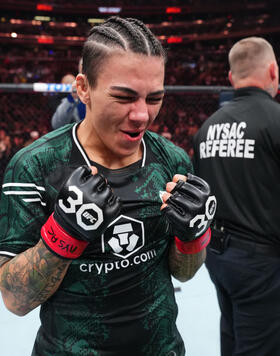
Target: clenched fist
{"points": [[189, 206], [84, 208]]}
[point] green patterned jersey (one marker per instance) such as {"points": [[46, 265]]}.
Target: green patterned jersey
{"points": [[118, 297]]}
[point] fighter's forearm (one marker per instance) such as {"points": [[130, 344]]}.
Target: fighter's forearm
{"points": [[30, 278], [184, 266]]}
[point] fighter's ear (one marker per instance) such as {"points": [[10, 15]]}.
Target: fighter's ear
{"points": [[83, 88], [273, 70]]}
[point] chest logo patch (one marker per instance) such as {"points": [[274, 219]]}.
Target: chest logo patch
{"points": [[123, 237]]}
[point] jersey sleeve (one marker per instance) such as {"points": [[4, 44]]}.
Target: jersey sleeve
{"points": [[23, 204]]}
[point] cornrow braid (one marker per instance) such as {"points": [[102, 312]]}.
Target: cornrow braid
{"points": [[134, 38], [125, 34], [156, 48], [109, 34]]}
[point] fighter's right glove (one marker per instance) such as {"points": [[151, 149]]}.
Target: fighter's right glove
{"points": [[84, 208]]}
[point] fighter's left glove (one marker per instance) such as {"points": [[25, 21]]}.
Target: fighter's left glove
{"points": [[190, 210]]}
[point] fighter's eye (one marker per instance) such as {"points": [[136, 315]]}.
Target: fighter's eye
{"points": [[124, 98], [154, 100]]}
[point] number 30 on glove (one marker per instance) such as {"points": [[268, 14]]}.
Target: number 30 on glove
{"points": [[84, 208], [190, 210]]}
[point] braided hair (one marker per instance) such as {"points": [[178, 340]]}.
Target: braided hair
{"points": [[126, 34]]}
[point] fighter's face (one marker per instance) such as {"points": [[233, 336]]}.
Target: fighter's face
{"points": [[125, 101]]}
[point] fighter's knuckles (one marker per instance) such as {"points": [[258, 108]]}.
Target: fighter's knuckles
{"points": [[170, 186], [178, 177], [165, 196], [199, 183]]}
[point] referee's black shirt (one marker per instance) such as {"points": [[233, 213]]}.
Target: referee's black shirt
{"points": [[237, 151]]}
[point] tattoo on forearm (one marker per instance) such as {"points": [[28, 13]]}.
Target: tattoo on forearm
{"points": [[32, 277], [3, 260], [182, 266]]}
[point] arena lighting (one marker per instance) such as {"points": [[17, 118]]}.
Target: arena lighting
{"points": [[44, 7], [36, 23], [45, 40], [15, 21], [62, 24], [73, 38], [174, 40], [25, 22], [109, 10], [173, 10], [14, 35], [42, 18], [93, 20], [70, 24]]}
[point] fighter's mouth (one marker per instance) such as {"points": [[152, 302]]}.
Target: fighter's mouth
{"points": [[132, 134]]}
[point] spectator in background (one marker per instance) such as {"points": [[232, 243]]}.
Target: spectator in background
{"points": [[5, 144], [165, 132], [5, 150], [33, 136], [71, 109]]}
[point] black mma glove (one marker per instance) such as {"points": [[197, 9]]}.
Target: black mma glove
{"points": [[84, 208], [190, 211]]}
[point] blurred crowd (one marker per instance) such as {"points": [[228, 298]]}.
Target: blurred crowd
{"points": [[192, 65]]}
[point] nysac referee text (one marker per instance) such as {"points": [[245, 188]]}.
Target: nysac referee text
{"points": [[227, 140]]}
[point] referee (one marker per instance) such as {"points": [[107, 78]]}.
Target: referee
{"points": [[237, 151]]}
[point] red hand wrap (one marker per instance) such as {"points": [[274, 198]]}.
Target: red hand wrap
{"points": [[194, 246], [60, 242]]}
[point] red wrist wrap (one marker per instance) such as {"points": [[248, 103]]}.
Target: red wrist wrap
{"points": [[60, 242], [194, 246]]}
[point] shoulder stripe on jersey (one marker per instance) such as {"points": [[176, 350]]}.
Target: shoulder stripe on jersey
{"points": [[6, 253], [33, 200], [23, 185], [22, 192], [33, 193], [74, 133]]}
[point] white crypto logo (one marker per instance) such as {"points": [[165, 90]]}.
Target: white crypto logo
{"points": [[125, 236]]}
